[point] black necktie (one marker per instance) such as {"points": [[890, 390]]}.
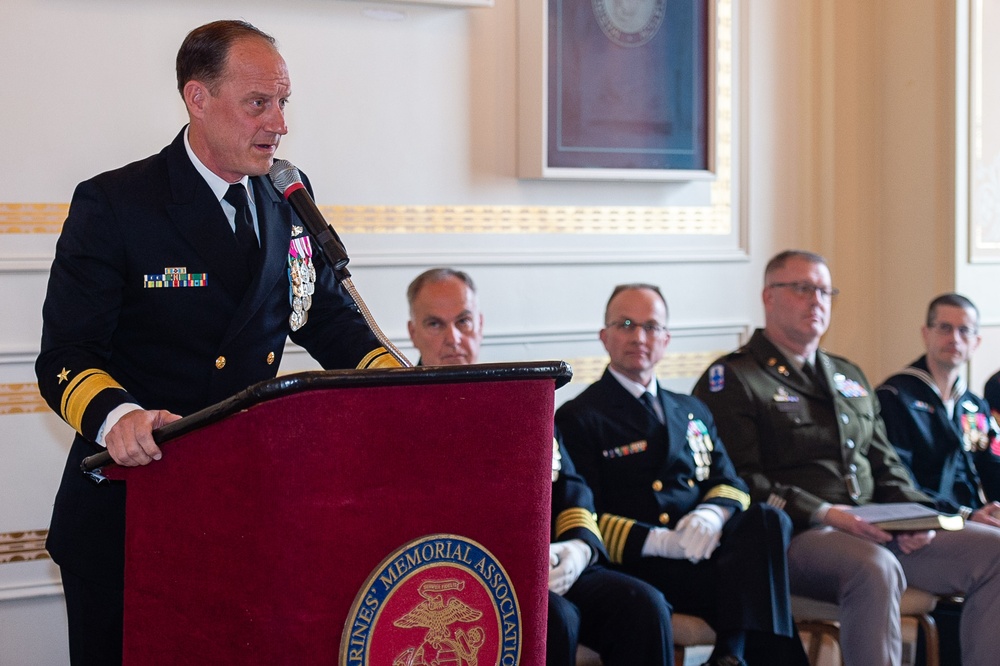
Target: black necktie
{"points": [[236, 195], [647, 399], [810, 372]]}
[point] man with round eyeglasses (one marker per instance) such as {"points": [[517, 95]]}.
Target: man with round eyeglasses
{"points": [[805, 432], [671, 508]]}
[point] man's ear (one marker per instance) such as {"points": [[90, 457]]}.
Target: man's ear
{"points": [[195, 96]]}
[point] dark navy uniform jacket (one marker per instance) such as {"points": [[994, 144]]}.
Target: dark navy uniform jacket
{"points": [[573, 515], [992, 394], [110, 336], [948, 457], [644, 473]]}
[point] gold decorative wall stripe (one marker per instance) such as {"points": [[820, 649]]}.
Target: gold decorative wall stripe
{"points": [[28, 218], [32, 218], [23, 546], [528, 219], [687, 365], [21, 399]]}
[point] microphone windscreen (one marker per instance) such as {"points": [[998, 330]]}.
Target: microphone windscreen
{"points": [[284, 174]]}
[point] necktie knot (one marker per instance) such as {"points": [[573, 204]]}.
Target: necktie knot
{"points": [[811, 374], [648, 400]]}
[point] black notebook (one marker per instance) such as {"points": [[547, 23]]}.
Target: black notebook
{"points": [[906, 517]]}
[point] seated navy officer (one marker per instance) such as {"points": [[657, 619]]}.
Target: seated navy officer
{"points": [[672, 510], [623, 619]]}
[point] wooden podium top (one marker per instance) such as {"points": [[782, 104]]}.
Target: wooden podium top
{"points": [[559, 371]]}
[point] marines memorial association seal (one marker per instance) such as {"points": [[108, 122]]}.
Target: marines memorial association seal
{"points": [[441, 600]]}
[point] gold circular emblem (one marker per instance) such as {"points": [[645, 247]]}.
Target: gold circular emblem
{"points": [[220, 362], [664, 518]]}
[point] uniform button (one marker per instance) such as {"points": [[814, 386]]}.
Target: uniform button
{"points": [[664, 518], [220, 362], [657, 485], [845, 419], [849, 443], [690, 483], [270, 358]]}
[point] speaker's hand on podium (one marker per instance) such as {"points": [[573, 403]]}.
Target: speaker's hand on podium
{"points": [[130, 440]]}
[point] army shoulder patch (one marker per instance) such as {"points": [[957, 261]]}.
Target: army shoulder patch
{"points": [[440, 599]]}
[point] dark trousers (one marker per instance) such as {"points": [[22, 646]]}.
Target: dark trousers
{"points": [[94, 612], [742, 587], [623, 619]]}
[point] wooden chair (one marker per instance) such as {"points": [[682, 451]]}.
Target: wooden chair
{"points": [[819, 618], [689, 631]]}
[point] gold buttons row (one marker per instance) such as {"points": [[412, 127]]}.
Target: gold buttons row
{"points": [[220, 362], [658, 485]]}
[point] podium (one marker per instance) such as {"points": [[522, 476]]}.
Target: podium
{"points": [[386, 517]]}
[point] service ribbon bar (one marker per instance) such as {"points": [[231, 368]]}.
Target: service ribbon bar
{"points": [[166, 280]]}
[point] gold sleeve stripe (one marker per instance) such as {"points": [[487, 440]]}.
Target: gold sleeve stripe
{"points": [[79, 393], [378, 358], [576, 517], [728, 492], [615, 530]]}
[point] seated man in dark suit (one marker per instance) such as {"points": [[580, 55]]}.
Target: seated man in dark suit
{"points": [[672, 510], [623, 619]]}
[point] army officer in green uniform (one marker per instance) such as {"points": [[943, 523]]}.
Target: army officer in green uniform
{"points": [[803, 429]]}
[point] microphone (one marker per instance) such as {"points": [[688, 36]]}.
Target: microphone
{"points": [[288, 180]]}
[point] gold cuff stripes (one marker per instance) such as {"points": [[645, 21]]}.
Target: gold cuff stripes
{"points": [[728, 492], [576, 517], [80, 392]]}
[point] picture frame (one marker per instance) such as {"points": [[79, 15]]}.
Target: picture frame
{"points": [[984, 136], [605, 94]]}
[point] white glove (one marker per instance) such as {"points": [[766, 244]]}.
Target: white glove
{"points": [[663, 542], [567, 560], [700, 531]]}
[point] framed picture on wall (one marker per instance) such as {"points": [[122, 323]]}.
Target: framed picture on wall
{"points": [[616, 89], [984, 135]]}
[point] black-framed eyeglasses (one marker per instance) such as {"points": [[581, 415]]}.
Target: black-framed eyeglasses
{"points": [[944, 328], [805, 289], [649, 328]]}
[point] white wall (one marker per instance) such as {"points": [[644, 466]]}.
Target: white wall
{"points": [[841, 123]]}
